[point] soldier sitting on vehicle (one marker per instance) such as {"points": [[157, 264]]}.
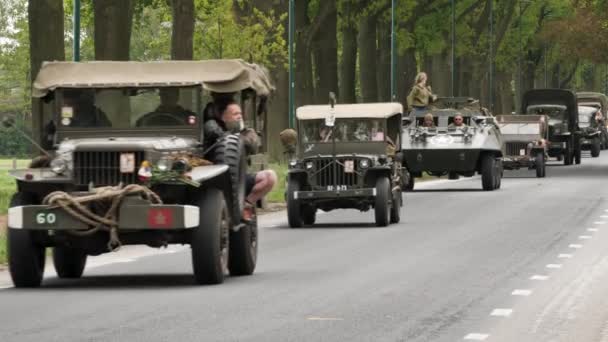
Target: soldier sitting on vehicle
{"points": [[429, 121], [458, 122], [230, 119]]}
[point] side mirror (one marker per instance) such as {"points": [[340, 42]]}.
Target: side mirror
{"points": [[8, 121], [406, 121]]}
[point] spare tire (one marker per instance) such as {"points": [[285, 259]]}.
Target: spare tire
{"points": [[231, 151]]}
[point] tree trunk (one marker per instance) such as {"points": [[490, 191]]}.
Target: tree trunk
{"points": [[384, 62], [406, 74], [303, 68], [367, 59], [504, 95], [348, 63], [112, 22], [46, 27], [326, 54], [183, 29]]}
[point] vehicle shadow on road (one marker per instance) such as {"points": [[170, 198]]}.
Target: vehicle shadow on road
{"points": [[148, 281], [369, 225], [446, 190]]}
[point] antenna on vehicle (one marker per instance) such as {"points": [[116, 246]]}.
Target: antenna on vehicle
{"points": [[331, 119], [9, 122], [332, 99]]}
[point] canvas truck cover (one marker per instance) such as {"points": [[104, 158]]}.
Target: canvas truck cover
{"points": [[223, 76], [552, 97], [350, 111]]}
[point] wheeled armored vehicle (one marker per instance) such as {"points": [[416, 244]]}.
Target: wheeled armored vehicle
{"points": [[446, 149], [560, 106], [599, 101], [524, 142], [125, 164], [347, 158], [589, 122]]}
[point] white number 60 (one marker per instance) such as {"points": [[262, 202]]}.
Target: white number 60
{"points": [[43, 218]]}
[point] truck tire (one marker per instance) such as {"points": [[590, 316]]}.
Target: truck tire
{"points": [[69, 262], [568, 154], [26, 258], [396, 207], [381, 205], [231, 151], [309, 215], [488, 172], [243, 254], [453, 176], [540, 164], [595, 148], [210, 240], [294, 208]]}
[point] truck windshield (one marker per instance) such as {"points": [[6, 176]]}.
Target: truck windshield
{"points": [[128, 107], [345, 130]]}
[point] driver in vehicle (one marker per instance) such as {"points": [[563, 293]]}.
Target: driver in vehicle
{"points": [[458, 122], [79, 106], [169, 111], [230, 119], [429, 121]]}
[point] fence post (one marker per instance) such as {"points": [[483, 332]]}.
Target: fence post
{"points": [[14, 163]]}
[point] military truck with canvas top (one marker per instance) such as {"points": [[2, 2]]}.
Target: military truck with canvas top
{"points": [[125, 164], [347, 158], [525, 142], [600, 102], [560, 107], [460, 139]]}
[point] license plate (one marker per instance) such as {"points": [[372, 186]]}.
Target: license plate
{"points": [[522, 152], [349, 166], [127, 162]]}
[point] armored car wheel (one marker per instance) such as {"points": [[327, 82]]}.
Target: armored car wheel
{"points": [[541, 165], [210, 240], [231, 151], [243, 252], [294, 209], [488, 172], [498, 181], [26, 257], [381, 205], [69, 262], [396, 207]]}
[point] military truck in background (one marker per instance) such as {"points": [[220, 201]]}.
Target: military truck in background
{"points": [[125, 164], [599, 101]]}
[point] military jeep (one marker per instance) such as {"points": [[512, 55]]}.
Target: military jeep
{"points": [[444, 149], [590, 130], [347, 157], [560, 106], [525, 142], [123, 163], [599, 101]]}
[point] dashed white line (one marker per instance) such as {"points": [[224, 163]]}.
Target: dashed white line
{"points": [[575, 246], [476, 337], [599, 222], [501, 312], [539, 277], [554, 266], [584, 237], [520, 292], [604, 216], [592, 230], [564, 256], [324, 319]]}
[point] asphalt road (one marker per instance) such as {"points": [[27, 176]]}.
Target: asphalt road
{"points": [[526, 263]]}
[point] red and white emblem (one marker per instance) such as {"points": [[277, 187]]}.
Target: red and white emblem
{"points": [[160, 218]]}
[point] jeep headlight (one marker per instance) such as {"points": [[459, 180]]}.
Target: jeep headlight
{"points": [[293, 163], [164, 164], [364, 163], [309, 165], [59, 166]]}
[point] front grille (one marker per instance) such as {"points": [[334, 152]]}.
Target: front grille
{"points": [[514, 148], [330, 172], [103, 168]]}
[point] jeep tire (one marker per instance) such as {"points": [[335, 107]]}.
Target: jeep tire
{"points": [[396, 207], [596, 147], [309, 215], [381, 204], [69, 262], [26, 257], [210, 240], [231, 151], [540, 164], [243, 253], [568, 154], [294, 209]]}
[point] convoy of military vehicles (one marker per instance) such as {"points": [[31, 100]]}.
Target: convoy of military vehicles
{"points": [[124, 160]]}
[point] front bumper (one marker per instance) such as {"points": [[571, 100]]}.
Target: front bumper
{"points": [[517, 162], [354, 193], [131, 217]]}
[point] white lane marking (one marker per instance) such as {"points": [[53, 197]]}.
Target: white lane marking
{"points": [[501, 312], [539, 277], [324, 319], [584, 237], [593, 230], [564, 256], [599, 222], [604, 216], [554, 266], [575, 246], [520, 292], [476, 337]]}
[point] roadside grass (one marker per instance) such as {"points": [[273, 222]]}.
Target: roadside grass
{"points": [[7, 189]]}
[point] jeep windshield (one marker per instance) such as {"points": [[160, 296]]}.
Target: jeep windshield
{"points": [[586, 115], [554, 112], [128, 108], [344, 130], [520, 128]]}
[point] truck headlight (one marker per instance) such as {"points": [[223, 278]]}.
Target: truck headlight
{"points": [[364, 163], [59, 166], [309, 165], [164, 164], [293, 163]]}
